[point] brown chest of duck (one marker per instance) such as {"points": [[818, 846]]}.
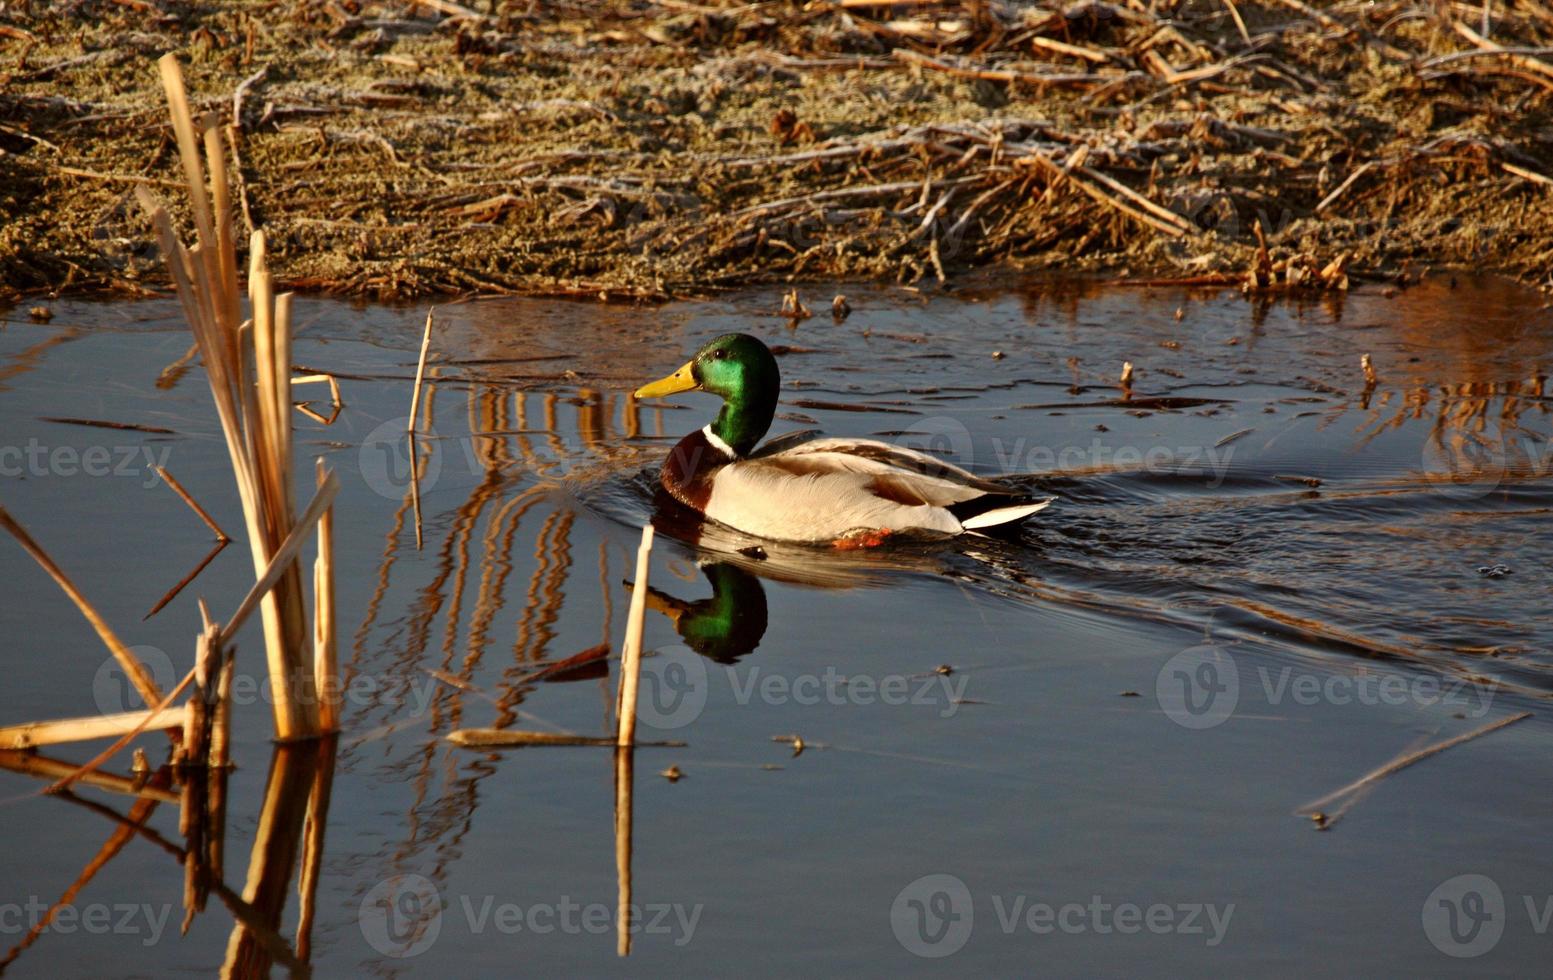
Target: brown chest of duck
{"points": [[847, 492]]}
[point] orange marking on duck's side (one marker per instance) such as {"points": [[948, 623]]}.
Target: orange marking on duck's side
{"points": [[864, 538]]}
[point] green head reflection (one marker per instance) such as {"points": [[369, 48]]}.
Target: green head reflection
{"points": [[725, 626]]}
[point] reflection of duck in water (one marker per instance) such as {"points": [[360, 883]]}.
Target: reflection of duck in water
{"points": [[843, 491], [724, 627]]}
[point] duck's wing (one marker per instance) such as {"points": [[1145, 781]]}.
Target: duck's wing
{"points": [[940, 481], [812, 498], [821, 489]]}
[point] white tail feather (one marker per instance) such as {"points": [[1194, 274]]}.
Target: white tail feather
{"points": [[1004, 515]]}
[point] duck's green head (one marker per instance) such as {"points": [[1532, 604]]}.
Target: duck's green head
{"points": [[739, 368]]}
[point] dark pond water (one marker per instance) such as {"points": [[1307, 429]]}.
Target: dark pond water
{"points": [[1262, 580]]}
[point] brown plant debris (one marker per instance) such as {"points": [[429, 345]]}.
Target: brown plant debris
{"points": [[629, 148]]}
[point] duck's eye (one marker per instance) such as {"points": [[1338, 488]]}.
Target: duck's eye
{"points": [[719, 354]]}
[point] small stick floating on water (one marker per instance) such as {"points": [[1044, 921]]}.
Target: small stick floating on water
{"points": [[506, 738], [1349, 793], [1370, 378], [1126, 375]]}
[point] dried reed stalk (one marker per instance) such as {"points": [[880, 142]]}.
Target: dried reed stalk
{"points": [[420, 371], [38, 733], [326, 663], [221, 724], [248, 366], [136, 671], [415, 486], [282, 561], [631, 652], [193, 504]]}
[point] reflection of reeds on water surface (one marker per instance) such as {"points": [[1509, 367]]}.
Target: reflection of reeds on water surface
{"points": [[1477, 429]]}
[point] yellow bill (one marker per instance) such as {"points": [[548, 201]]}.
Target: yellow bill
{"points": [[682, 380]]}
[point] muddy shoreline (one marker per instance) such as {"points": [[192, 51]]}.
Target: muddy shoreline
{"points": [[652, 149]]}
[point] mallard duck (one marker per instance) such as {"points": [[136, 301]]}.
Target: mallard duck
{"points": [[849, 492]]}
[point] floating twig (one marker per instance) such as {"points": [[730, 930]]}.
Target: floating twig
{"points": [[102, 424], [334, 397], [183, 583], [516, 738], [1398, 764]]}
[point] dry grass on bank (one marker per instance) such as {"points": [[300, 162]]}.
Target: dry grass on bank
{"points": [[651, 148]]}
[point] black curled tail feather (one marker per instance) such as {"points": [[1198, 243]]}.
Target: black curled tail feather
{"points": [[1018, 505]]}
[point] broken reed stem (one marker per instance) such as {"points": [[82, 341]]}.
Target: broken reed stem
{"points": [[222, 540], [280, 563], [221, 724], [335, 404], [187, 498], [415, 484], [136, 671], [183, 583], [420, 371], [209, 658], [631, 651], [326, 666], [36, 733], [1403, 761]]}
